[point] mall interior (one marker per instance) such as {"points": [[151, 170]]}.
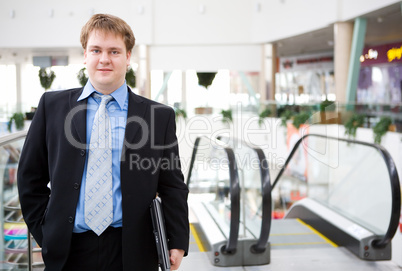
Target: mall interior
{"points": [[283, 108]]}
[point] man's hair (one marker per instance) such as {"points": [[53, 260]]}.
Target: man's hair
{"points": [[109, 24]]}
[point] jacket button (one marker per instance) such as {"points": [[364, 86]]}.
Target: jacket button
{"points": [[82, 152], [76, 186], [70, 219]]}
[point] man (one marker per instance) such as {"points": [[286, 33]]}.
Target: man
{"points": [[102, 133]]}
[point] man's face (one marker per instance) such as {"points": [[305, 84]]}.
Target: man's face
{"points": [[106, 59]]}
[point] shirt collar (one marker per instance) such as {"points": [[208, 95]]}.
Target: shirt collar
{"points": [[120, 94]]}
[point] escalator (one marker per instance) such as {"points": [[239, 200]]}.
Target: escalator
{"points": [[227, 185], [331, 197], [17, 251], [343, 193]]}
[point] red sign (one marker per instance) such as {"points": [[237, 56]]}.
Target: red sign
{"points": [[388, 53]]}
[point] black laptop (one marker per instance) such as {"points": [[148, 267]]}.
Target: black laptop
{"points": [[158, 223]]}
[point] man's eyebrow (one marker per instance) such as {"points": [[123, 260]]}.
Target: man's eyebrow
{"points": [[115, 48], [108, 48]]}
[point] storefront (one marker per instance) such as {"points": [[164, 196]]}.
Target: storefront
{"points": [[380, 79], [305, 79]]}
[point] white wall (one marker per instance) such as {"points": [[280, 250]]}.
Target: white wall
{"points": [[48, 24], [206, 58]]}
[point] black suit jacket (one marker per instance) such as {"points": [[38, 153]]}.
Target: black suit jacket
{"points": [[55, 152]]}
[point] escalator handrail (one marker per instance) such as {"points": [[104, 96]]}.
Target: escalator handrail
{"points": [[6, 139], [266, 189], [394, 182], [266, 196], [193, 155], [231, 244]]}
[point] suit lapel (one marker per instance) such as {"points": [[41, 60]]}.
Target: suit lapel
{"points": [[79, 119], [135, 116]]}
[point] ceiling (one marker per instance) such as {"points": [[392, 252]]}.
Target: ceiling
{"points": [[383, 26]]}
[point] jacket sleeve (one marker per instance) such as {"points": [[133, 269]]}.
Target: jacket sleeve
{"points": [[33, 174], [173, 191]]}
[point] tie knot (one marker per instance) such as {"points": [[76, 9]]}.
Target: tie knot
{"points": [[104, 98]]}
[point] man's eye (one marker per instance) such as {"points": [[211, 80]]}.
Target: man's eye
{"points": [[95, 51], [115, 52]]}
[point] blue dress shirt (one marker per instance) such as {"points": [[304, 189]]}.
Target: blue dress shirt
{"points": [[117, 110]]}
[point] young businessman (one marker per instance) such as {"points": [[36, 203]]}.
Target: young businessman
{"points": [[93, 161]]}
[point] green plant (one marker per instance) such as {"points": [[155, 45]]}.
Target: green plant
{"points": [[130, 77], [46, 77], [180, 112], [300, 119], [285, 116], [264, 114], [82, 77], [205, 79], [327, 106], [351, 125], [227, 116], [381, 128], [18, 119]]}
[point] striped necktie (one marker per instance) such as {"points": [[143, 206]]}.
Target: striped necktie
{"points": [[98, 188]]}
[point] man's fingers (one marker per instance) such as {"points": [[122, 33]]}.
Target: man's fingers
{"points": [[175, 258]]}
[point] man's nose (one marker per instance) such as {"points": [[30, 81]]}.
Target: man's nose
{"points": [[104, 58]]}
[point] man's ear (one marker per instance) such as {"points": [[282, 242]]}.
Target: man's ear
{"points": [[128, 58], [85, 56]]}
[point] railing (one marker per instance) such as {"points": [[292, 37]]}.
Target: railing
{"points": [[213, 170], [17, 251], [256, 190], [355, 179]]}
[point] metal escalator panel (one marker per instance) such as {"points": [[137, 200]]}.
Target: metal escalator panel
{"points": [[355, 180], [215, 198]]}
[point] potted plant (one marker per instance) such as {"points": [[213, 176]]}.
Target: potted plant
{"points": [[227, 116], [82, 77], [300, 119], [285, 116], [327, 105], [130, 77], [30, 115], [18, 119], [180, 112], [351, 125], [381, 128], [328, 114], [46, 77], [264, 114], [205, 79]]}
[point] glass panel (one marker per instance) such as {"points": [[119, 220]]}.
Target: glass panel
{"points": [[248, 165], [350, 178], [210, 182], [14, 244]]}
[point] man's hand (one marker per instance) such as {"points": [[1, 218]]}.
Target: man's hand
{"points": [[176, 255]]}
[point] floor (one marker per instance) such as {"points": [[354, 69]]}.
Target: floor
{"points": [[295, 246], [315, 259]]}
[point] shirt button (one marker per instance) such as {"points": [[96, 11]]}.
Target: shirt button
{"points": [[70, 219], [76, 186], [82, 152]]}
